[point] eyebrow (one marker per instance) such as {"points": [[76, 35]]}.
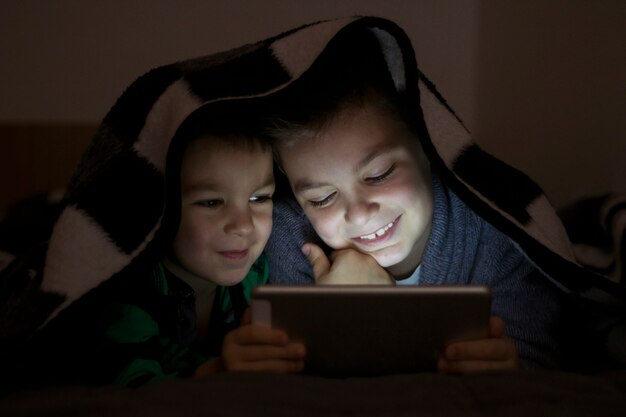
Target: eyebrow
{"points": [[307, 184], [269, 181], [373, 155], [210, 186]]}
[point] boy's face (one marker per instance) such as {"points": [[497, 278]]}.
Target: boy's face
{"points": [[365, 184], [226, 209]]}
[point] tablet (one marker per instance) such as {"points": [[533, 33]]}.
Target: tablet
{"points": [[354, 330]]}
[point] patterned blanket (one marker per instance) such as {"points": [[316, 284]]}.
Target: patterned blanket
{"points": [[114, 203], [597, 229]]}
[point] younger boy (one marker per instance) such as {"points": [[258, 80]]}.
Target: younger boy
{"points": [[220, 186]]}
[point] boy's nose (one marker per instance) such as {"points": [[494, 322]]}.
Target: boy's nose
{"points": [[360, 211], [239, 222]]}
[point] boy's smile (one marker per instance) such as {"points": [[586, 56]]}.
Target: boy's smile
{"points": [[364, 183], [234, 255], [226, 210], [379, 236]]}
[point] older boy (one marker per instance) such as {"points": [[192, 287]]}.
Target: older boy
{"points": [[353, 159]]}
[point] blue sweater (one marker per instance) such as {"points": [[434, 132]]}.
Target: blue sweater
{"points": [[462, 249]]}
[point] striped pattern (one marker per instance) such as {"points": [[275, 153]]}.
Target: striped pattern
{"points": [[116, 198], [597, 228]]}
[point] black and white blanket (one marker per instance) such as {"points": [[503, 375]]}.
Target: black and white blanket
{"points": [[597, 229], [114, 203]]}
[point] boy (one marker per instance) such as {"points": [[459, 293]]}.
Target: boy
{"points": [[176, 311], [221, 183], [354, 163], [91, 248]]}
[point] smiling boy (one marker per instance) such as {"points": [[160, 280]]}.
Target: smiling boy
{"points": [[371, 191], [187, 317], [354, 162]]}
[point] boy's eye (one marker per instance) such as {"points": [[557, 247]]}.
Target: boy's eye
{"points": [[210, 203], [324, 201], [261, 198], [383, 176]]}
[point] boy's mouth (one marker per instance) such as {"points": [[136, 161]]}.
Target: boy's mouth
{"points": [[379, 235], [234, 255]]}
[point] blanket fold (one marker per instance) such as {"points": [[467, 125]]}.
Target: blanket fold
{"points": [[115, 201]]}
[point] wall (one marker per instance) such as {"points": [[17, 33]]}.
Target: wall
{"points": [[38, 159], [68, 60], [551, 92], [536, 81]]}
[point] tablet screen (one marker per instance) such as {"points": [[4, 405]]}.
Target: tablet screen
{"points": [[352, 330]]}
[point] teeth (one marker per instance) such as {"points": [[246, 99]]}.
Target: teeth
{"points": [[377, 233]]}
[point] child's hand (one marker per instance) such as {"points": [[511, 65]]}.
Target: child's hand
{"points": [[348, 267], [495, 353], [262, 349]]}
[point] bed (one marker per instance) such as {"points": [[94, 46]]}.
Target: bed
{"points": [[491, 394], [525, 393]]}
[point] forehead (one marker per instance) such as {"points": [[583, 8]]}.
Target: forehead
{"points": [[355, 132], [210, 156], [228, 142], [212, 146]]}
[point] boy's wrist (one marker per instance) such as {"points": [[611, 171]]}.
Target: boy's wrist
{"points": [[212, 366]]}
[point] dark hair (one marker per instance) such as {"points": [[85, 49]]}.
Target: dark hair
{"points": [[351, 72], [235, 123]]}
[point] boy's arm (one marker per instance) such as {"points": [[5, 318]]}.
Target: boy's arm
{"points": [[137, 353], [255, 348], [259, 349], [497, 352]]}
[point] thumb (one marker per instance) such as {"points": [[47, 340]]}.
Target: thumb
{"points": [[247, 317], [496, 327], [317, 258]]}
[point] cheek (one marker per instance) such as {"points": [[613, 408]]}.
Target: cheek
{"points": [[326, 223], [416, 199], [192, 234], [408, 195], [409, 191], [263, 226]]}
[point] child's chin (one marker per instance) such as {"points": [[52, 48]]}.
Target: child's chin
{"points": [[229, 279], [390, 259]]}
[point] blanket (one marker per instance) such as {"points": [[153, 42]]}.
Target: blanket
{"points": [[114, 203], [597, 228]]}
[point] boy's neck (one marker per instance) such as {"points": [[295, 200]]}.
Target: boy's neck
{"points": [[204, 292], [201, 287]]}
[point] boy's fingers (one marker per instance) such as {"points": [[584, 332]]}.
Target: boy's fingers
{"points": [[268, 358], [466, 367], [257, 335], [247, 317], [496, 327], [486, 349], [294, 351], [317, 258], [479, 355], [277, 366]]}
